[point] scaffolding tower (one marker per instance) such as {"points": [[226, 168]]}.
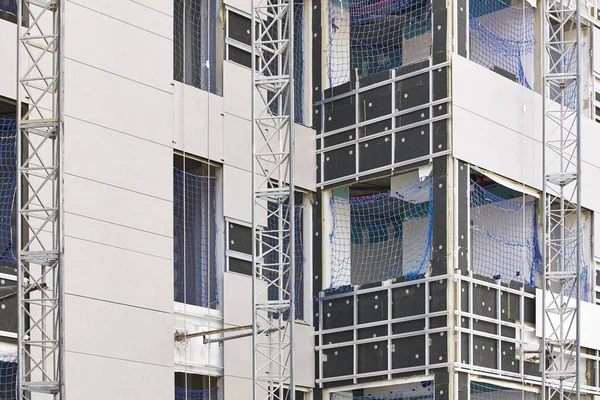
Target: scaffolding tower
{"points": [[39, 201], [560, 351], [273, 199]]}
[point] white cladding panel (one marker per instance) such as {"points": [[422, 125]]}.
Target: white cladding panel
{"points": [[238, 136], [99, 378], [122, 49], [109, 234], [113, 330], [237, 82], [118, 206], [237, 193], [158, 20], [500, 129], [8, 59], [198, 114], [118, 103], [118, 159], [118, 275]]}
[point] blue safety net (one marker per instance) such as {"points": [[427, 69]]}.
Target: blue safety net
{"points": [[194, 239], [194, 49], [299, 63], [504, 237], [195, 394], [564, 64], [571, 250], [487, 391], [367, 37], [8, 376], [501, 37], [271, 263], [381, 236], [8, 185], [422, 391]]}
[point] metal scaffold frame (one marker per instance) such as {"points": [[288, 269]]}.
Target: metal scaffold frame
{"points": [[273, 183], [40, 58], [561, 200]]}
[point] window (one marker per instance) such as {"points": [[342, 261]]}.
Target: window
{"points": [[8, 10], [194, 43], [380, 230], [238, 39], [194, 194], [239, 248], [198, 387], [8, 184]]}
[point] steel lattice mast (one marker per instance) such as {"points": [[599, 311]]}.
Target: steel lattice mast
{"points": [[561, 199], [39, 198], [273, 199]]}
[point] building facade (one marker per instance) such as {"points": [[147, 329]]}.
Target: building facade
{"points": [[419, 236]]}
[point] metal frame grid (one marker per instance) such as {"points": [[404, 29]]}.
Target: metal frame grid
{"points": [[273, 182], [358, 140], [389, 337], [562, 192], [39, 198]]}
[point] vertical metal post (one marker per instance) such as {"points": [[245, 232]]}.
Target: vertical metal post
{"points": [[40, 59], [560, 352], [273, 197]]}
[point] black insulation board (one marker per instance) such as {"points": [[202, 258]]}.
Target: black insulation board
{"points": [[372, 357], [8, 306], [338, 337], [412, 143], [372, 307], [484, 300], [440, 135], [338, 313], [438, 264], [463, 221], [412, 92], [366, 81], [438, 348], [408, 352], [339, 362], [440, 83], [408, 300], [340, 162], [509, 358], [375, 127], [484, 352], [240, 238], [442, 384], [465, 348], [413, 117], [440, 30], [463, 385], [339, 113], [375, 103], [437, 295], [464, 296], [408, 326], [373, 332], [375, 153]]}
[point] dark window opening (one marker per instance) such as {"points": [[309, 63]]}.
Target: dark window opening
{"points": [[194, 224], [194, 23]]}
